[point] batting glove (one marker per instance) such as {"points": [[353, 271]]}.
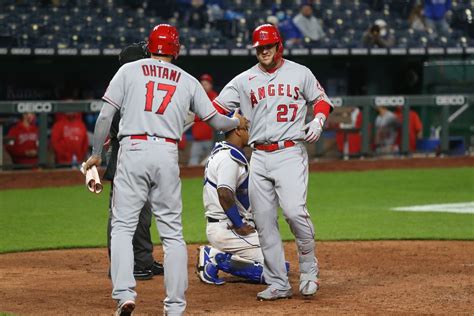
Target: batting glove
{"points": [[314, 128]]}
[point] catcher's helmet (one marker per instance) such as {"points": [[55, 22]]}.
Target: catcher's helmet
{"points": [[133, 52], [268, 34], [164, 40]]}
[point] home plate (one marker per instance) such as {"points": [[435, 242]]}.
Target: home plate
{"points": [[464, 208]]}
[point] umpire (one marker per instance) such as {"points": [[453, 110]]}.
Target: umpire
{"points": [[145, 266]]}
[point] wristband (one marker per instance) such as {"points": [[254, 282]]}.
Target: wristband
{"points": [[322, 107], [234, 216]]}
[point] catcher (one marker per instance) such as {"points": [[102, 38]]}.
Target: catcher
{"points": [[235, 247]]}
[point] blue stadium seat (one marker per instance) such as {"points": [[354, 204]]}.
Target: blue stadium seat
{"points": [[112, 23]]}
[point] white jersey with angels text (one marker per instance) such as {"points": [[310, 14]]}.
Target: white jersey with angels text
{"points": [[275, 103]]}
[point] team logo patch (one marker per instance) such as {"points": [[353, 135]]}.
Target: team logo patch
{"points": [[263, 36]]}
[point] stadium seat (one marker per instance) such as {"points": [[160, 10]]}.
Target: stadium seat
{"points": [[112, 23]]}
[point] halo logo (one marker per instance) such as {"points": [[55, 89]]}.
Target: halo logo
{"points": [[450, 100], [35, 107], [263, 36], [390, 101]]}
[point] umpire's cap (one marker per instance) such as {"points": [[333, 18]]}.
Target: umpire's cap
{"points": [[133, 52]]}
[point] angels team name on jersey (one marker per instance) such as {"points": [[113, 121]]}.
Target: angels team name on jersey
{"points": [[271, 90], [161, 72]]}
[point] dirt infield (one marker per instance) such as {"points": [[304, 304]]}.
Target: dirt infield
{"points": [[64, 177], [434, 277]]}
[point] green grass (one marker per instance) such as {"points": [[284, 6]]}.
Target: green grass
{"points": [[344, 206]]}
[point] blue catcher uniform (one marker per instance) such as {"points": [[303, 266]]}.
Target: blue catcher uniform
{"points": [[228, 251]]}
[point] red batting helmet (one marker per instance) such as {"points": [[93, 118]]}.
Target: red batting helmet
{"points": [[268, 34], [164, 40]]}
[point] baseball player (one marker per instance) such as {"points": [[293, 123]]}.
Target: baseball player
{"points": [[153, 97], [274, 95], [144, 264], [235, 247]]}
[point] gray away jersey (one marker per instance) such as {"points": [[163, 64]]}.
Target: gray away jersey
{"points": [[275, 103], [154, 98]]}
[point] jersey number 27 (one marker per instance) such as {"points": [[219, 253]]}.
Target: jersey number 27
{"points": [[282, 112], [150, 94]]}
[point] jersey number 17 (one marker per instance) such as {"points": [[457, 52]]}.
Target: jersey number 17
{"points": [[150, 94]]}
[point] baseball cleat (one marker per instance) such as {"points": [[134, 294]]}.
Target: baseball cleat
{"points": [[309, 285], [144, 274], [271, 294], [125, 309], [208, 274], [157, 268], [309, 288], [203, 256], [206, 270]]}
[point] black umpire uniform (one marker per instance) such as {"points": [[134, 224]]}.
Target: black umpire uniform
{"points": [[145, 265]]}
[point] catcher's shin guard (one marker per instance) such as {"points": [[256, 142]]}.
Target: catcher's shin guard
{"points": [[252, 271], [249, 270]]}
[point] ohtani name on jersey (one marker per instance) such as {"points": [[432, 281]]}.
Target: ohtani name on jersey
{"points": [[161, 72], [272, 90]]}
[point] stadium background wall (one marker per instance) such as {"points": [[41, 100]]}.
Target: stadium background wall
{"points": [[445, 106], [87, 76], [32, 77]]}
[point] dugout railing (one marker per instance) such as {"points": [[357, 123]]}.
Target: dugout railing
{"points": [[450, 106]]}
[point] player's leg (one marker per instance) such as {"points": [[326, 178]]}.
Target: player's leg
{"points": [[143, 246], [206, 267], [227, 240], [129, 196], [264, 205], [167, 207], [238, 255], [109, 220], [222, 255], [291, 183]]}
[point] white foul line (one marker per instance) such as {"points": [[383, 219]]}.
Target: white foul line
{"points": [[462, 208]]}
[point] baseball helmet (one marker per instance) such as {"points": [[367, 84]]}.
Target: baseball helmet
{"points": [[268, 34], [164, 40]]}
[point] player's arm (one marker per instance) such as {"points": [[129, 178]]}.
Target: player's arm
{"points": [[322, 106], [101, 131], [228, 99], [227, 174], [224, 123], [202, 106], [113, 98]]}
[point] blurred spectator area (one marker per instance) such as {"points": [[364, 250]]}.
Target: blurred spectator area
{"points": [[214, 23]]}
